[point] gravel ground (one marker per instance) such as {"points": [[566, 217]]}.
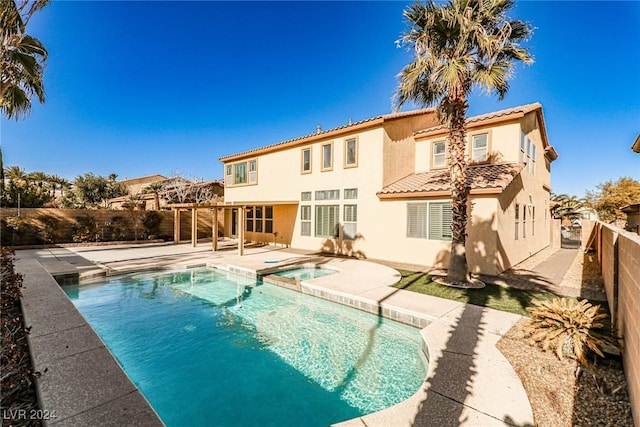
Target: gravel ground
{"points": [[561, 392]]}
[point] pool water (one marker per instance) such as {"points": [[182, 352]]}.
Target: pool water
{"points": [[305, 273], [211, 348]]}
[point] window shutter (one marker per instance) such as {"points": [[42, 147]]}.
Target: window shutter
{"points": [[435, 221], [417, 220], [440, 218]]}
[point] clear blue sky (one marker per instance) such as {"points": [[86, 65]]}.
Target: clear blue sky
{"points": [[138, 88]]}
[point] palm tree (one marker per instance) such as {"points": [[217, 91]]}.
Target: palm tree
{"points": [[22, 58], [155, 188], [17, 175], [567, 206], [457, 47]]}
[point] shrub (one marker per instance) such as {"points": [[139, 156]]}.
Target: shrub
{"points": [[151, 223], [569, 327], [17, 377], [117, 228], [85, 230], [49, 227], [20, 228]]}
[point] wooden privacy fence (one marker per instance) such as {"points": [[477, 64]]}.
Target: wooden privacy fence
{"points": [[37, 226], [619, 255]]}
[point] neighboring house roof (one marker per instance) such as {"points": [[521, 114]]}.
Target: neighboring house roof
{"points": [[481, 179], [636, 144], [496, 117], [355, 126], [143, 179]]}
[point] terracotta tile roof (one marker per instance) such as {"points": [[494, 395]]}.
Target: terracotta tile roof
{"points": [[382, 117], [480, 177], [523, 109]]}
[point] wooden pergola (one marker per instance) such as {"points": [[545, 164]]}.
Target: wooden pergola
{"points": [[214, 206]]}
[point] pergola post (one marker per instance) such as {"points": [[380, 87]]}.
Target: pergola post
{"points": [[194, 227], [240, 226], [214, 230], [176, 226]]}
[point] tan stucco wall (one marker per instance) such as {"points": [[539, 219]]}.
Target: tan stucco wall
{"points": [[504, 143], [385, 154], [399, 147], [280, 180], [525, 189]]}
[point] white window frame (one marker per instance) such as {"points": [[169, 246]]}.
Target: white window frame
{"points": [[347, 163], [524, 221], [247, 169], [327, 228], [435, 157], [474, 139], [349, 222], [328, 195], [440, 229], [303, 163], [326, 159], [429, 220], [305, 220], [517, 221], [350, 193]]}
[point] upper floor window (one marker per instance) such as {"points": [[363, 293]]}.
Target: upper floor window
{"points": [[438, 157], [480, 147], [533, 160], [305, 196], [351, 153], [523, 156], [241, 173], [253, 171], [327, 157], [305, 166]]}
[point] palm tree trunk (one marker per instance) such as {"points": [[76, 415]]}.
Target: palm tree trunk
{"points": [[458, 271]]}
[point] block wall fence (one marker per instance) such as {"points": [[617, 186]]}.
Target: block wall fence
{"points": [[619, 255], [68, 218]]}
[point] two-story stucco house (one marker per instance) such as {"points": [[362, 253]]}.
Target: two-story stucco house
{"points": [[379, 188]]}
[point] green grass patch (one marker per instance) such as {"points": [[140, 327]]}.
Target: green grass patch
{"points": [[492, 296]]}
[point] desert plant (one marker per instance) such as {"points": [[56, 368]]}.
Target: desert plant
{"points": [[569, 327]]}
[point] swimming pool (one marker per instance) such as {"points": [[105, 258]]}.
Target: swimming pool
{"points": [[211, 348]]}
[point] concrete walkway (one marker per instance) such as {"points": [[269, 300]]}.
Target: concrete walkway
{"points": [[556, 266], [469, 382]]}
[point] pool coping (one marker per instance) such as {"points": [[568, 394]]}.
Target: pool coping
{"points": [[80, 382], [467, 384]]}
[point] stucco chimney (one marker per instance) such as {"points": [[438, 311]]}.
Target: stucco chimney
{"points": [[319, 128]]}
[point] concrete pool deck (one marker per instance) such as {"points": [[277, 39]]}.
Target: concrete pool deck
{"points": [[469, 382]]}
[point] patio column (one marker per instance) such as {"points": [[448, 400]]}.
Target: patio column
{"points": [[241, 214], [214, 230], [194, 227], [176, 226]]}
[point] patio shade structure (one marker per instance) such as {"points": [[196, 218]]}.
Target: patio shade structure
{"points": [[215, 206]]}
